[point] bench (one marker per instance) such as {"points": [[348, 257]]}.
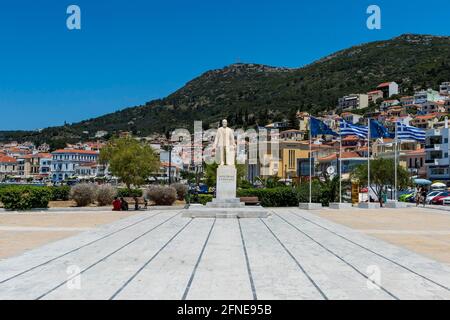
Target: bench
{"points": [[131, 202], [253, 201]]}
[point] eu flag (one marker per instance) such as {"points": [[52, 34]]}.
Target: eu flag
{"points": [[318, 127], [377, 130]]}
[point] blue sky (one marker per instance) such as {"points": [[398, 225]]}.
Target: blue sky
{"points": [[130, 52]]}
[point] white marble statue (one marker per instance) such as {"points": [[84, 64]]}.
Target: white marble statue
{"points": [[224, 145]]}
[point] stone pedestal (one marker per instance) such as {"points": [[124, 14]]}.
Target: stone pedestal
{"points": [[369, 205], [395, 204], [342, 205], [226, 204], [310, 206]]}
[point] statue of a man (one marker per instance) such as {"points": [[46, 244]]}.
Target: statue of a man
{"points": [[225, 145]]}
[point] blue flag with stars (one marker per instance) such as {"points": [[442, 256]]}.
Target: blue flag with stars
{"points": [[318, 127], [377, 130]]}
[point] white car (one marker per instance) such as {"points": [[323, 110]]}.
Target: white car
{"points": [[446, 201], [431, 195]]}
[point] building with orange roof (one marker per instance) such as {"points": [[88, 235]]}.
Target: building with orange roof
{"points": [[388, 88], [425, 121], [349, 160], [8, 167], [375, 95]]}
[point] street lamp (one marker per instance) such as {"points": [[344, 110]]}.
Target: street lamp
{"points": [[169, 147]]}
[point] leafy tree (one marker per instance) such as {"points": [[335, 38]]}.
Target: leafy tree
{"points": [[381, 176], [133, 162]]}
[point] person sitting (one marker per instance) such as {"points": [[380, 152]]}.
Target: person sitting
{"points": [[117, 205], [136, 203], [124, 204]]}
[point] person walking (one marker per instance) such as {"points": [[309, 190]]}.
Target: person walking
{"points": [[417, 196], [424, 195]]}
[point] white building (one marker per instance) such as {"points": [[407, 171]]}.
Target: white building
{"points": [[444, 88], [389, 89], [66, 161], [437, 151]]}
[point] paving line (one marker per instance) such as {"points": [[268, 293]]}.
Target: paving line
{"points": [[148, 261], [374, 252], [106, 257], [76, 249], [296, 261], [188, 287], [339, 257], [249, 270]]}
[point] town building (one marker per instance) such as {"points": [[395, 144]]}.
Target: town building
{"points": [[66, 161], [8, 167], [426, 121], [437, 153], [353, 102], [374, 96], [389, 89]]}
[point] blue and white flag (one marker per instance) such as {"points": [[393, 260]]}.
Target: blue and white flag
{"points": [[348, 129], [405, 132]]}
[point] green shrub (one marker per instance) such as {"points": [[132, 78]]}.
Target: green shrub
{"points": [[205, 198], [129, 193], [25, 197], [60, 193], [83, 194], [181, 189], [274, 197], [106, 194], [162, 195]]}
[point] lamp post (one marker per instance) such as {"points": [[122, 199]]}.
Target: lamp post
{"points": [[169, 147]]}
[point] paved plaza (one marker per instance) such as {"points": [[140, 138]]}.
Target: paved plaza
{"points": [[158, 254]]}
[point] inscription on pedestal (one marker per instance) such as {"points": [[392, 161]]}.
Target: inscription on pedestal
{"points": [[226, 182]]}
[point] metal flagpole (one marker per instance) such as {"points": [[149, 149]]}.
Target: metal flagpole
{"points": [[368, 162], [310, 163], [395, 163], [340, 166]]}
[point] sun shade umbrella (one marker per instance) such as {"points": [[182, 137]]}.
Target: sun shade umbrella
{"points": [[422, 182]]}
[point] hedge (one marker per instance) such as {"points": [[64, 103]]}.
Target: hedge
{"points": [[60, 193], [129, 193], [205, 198], [25, 197], [274, 197]]}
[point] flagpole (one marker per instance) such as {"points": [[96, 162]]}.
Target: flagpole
{"points": [[395, 162], [310, 163], [340, 166], [368, 162]]}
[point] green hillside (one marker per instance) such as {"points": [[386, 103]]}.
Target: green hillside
{"points": [[251, 93]]}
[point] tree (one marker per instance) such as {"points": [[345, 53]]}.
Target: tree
{"points": [[381, 176], [133, 162]]}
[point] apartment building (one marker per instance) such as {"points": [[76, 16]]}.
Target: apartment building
{"points": [[353, 102], [389, 89], [8, 167], [436, 153], [65, 162]]}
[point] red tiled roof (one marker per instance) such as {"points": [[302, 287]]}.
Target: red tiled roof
{"points": [[75, 151], [384, 84], [344, 155], [6, 159]]}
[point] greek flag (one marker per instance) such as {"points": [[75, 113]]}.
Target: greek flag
{"points": [[348, 129], [405, 132]]}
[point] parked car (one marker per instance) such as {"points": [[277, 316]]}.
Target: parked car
{"points": [[439, 200], [406, 196], [446, 201], [431, 195]]}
